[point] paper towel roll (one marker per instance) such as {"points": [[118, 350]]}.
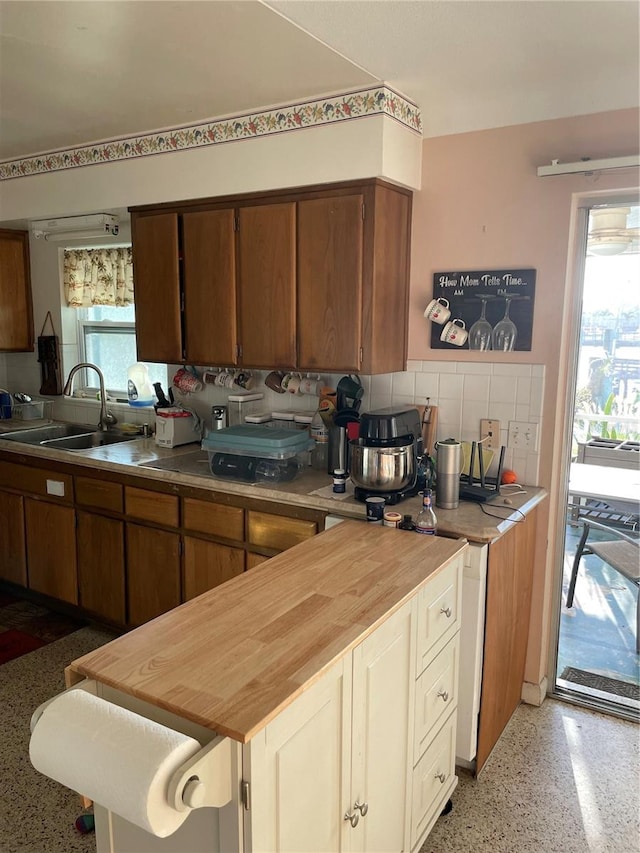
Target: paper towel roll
{"points": [[116, 757]]}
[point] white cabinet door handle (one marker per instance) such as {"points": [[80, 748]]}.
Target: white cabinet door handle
{"points": [[443, 695], [441, 777], [363, 808], [446, 611]]}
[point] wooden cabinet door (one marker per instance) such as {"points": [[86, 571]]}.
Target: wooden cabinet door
{"points": [[209, 279], [207, 564], [156, 275], [13, 560], [330, 271], [267, 292], [509, 583], [382, 739], [101, 565], [153, 572], [300, 768], [51, 549], [16, 318]]}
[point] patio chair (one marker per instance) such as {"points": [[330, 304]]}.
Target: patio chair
{"points": [[621, 552]]}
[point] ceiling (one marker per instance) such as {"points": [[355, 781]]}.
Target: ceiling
{"points": [[79, 72]]}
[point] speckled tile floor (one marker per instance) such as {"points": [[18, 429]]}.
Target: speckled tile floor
{"points": [[561, 780], [37, 815]]}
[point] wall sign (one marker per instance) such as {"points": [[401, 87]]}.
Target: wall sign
{"points": [[490, 310]]}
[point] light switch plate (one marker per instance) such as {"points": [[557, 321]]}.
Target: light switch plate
{"points": [[490, 430], [523, 435]]}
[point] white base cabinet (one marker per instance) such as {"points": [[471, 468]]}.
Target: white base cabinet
{"points": [[331, 772], [363, 761]]}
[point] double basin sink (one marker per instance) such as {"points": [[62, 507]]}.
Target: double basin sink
{"points": [[66, 437]]}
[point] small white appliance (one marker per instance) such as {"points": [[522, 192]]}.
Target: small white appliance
{"points": [[175, 427]]}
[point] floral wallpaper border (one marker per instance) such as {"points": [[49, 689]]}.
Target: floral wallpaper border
{"points": [[379, 100]]}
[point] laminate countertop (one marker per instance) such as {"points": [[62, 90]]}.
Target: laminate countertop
{"points": [[188, 466], [234, 657]]}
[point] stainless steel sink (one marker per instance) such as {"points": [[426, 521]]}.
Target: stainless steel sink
{"points": [[66, 437], [86, 442]]}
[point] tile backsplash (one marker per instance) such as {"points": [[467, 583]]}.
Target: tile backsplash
{"points": [[464, 393]]}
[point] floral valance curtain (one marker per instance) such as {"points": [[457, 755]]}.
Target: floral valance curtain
{"points": [[98, 277]]}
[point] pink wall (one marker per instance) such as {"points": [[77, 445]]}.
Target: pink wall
{"points": [[482, 205]]}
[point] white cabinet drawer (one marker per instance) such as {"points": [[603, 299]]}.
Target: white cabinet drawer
{"points": [[434, 780], [436, 695], [439, 606]]}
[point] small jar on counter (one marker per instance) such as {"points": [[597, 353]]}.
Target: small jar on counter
{"points": [[339, 481], [392, 519]]}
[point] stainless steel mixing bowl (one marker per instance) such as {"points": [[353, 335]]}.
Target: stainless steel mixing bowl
{"points": [[383, 469]]}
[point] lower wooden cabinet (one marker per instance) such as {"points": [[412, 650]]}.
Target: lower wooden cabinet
{"points": [[153, 572], [508, 606], [126, 553], [13, 560], [101, 578], [208, 564], [51, 549]]}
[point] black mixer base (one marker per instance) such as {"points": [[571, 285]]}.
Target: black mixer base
{"points": [[391, 498]]}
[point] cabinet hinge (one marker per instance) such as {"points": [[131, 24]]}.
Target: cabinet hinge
{"points": [[245, 793], [361, 354]]}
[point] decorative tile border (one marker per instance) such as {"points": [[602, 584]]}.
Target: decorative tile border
{"points": [[376, 101]]}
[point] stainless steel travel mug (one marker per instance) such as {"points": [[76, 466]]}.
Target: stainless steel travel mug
{"points": [[448, 457]]}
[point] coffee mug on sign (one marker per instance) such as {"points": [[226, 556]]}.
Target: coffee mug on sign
{"points": [[455, 333], [438, 311]]}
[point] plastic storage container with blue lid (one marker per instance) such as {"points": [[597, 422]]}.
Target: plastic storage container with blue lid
{"points": [[257, 454], [257, 440]]}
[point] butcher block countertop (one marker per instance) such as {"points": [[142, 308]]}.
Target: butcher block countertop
{"points": [[188, 466], [236, 656]]}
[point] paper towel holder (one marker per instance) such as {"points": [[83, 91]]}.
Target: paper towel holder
{"points": [[205, 779], [202, 781]]}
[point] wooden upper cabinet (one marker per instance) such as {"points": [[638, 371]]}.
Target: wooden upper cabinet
{"points": [[267, 285], [315, 278], [156, 271], [386, 280], [209, 279], [16, 317], [330, 264]]}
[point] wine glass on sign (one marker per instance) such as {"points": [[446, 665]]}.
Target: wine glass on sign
{"points": [[505, 331], [480, 331]]}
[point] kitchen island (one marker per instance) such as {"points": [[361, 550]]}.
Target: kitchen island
{"points": [[332, 670]]}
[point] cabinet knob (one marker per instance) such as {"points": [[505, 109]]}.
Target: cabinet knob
{"points": [[363, 808], [352, 818], [441, 777], [443, 695], [446, 611]]}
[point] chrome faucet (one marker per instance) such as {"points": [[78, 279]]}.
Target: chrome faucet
{"points": [[107, 419]]}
